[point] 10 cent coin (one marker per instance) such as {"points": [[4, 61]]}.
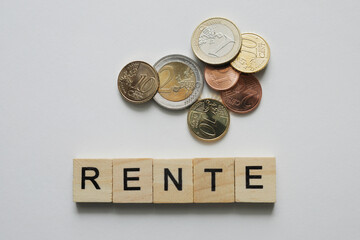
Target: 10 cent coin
{"points": [[254, 54], [138, 82]]}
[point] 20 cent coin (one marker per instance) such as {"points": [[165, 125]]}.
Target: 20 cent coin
{"points": [[208, 119]]}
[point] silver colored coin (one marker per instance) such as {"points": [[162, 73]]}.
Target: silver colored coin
{"points": [[181, 82], [216, 41]]}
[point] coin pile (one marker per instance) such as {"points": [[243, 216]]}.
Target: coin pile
{"points": [[176, 81]]}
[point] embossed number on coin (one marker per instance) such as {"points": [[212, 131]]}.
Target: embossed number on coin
{"points": [[254, 54], [245, 96], [138, 82], [216, 41], [177, 81], [208, 119], [181, 82]]}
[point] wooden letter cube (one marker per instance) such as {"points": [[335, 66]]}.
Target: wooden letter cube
{"points": [[255, 180], [173, 181], [92, 180], [213, 180], [132, 181]]}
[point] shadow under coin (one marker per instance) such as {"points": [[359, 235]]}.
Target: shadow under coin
{"points": [[208, 143], [170, 111], [244, 115], [198, 61], [260, 75], [140, 107]]}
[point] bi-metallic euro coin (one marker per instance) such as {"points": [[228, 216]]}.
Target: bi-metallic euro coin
{"points": [[138, 82], [216, 41], [208, 119], [181, 82]]}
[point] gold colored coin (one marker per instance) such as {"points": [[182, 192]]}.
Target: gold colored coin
{"points": [[138, 82], [216, 41], [208, 119], [254, 54], [177, 81]]}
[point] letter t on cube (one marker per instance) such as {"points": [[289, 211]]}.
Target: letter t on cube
{"points": [[213, 180]]}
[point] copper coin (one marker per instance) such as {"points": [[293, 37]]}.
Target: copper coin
{"points": [[245, 96], [221, 78]]}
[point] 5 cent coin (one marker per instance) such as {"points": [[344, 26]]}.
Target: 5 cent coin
{"points": [[138, 82], [245, 96], [208, 119]]}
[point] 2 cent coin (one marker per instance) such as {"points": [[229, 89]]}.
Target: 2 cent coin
{"points": [[245, 96]]}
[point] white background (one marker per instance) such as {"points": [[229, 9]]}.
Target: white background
{"points": [[59, 100]]}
